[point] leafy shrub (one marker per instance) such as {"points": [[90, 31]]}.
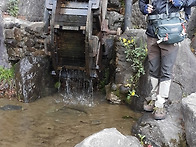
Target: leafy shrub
{"points": [[13, 8], [6, 75], [7, 82]]}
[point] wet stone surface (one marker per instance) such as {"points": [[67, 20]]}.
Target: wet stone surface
{"points": [[33, 79]]}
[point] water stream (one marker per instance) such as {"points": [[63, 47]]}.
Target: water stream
{"points": [[50, 122], [76, 88]]}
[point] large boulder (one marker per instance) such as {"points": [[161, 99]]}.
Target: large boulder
{"points": [[115, 20], [189, 115], [168, 132], [109, 138], [3, 52], [191, 28], [32, 10], [33, 79]]}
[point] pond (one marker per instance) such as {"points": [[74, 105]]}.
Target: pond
{"points": [[51, 122]]}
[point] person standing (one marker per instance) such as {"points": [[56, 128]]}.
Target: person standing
{"points": [[161, 56]]}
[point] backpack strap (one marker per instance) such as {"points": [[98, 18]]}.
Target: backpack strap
{"points": [[167, 8]]}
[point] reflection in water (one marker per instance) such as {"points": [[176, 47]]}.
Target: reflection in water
{"points": [[49, 122]]}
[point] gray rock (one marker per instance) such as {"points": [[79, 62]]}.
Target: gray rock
{"points": [[10, 107], [115, 20], [3, 52], [191, 28], [11, 22], [114, 3], [33, 79], [167, 132], [183, 72], [189, 115], [3, 5], [193, 44], [9, 34], [138, 19], [110, 137], [33, 10]]}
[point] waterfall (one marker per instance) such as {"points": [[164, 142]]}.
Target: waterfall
{"points": [[76, 88]]}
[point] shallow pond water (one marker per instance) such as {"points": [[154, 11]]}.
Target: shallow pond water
{"points": [[50, 122]]}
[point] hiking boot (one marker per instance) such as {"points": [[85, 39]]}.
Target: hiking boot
{"points": [[149, 105], [159, 113]]}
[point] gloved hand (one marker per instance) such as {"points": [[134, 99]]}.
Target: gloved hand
{"points": [[177, 3], [148, 9]]}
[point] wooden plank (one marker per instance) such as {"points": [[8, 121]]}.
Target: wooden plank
{"points": [[71, 18], [54, 6], [69, 11], [75, 5], [70, 28], [73, 24], [88, 34], [72, 4]]}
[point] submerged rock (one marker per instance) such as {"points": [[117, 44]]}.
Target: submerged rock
{"points": [[109, 138], [11, 107]]}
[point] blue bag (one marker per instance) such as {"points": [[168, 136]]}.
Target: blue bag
{"points": [[170, 30]]}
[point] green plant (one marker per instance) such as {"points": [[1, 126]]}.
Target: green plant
{"points": [[7, 76], [122, 3], [136, 56], [141, 138], [13, 8], [57, 85], [104, 80], [7, 82]]}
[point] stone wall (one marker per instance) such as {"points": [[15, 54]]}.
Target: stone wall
{"points": [[25, 44], [23, 38]]}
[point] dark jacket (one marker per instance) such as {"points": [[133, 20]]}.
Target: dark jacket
{"points": [[159, 7]]}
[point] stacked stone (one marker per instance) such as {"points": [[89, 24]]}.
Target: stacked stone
{"points": [[23, 38]]}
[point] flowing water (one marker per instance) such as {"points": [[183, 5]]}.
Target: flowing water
{"points": [[51, 122]]}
